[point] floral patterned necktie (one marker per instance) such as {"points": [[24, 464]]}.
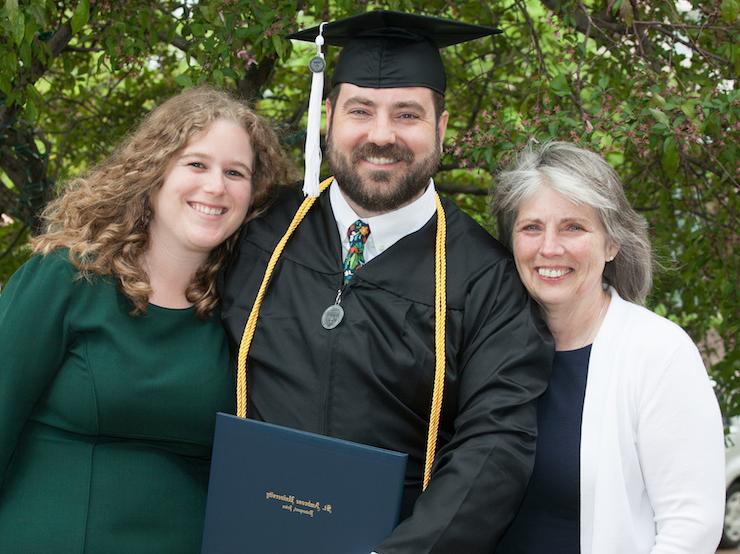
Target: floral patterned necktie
{"points": [[357, 235]]}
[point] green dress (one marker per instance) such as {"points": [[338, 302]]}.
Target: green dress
{"points": [[106, 420]]}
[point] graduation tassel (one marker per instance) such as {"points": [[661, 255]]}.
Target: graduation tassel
{"points": [[313, 127]]}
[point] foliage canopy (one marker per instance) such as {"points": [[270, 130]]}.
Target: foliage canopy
{"points": [[649, 84]]}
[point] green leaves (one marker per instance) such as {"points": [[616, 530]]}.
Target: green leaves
{"points": [[559, 85], [669, 130], [15, 24], [12, 233], [729, 10], [279, 46], [670, 158], [80, 16], [198, 30], [184, 80], [660, 117]]}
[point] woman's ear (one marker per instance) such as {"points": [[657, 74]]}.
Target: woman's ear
{"points": [[612, 250]]}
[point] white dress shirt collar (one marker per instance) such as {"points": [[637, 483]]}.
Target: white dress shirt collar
{"points": [[385, 229]]}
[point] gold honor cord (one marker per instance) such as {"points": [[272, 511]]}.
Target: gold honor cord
{"points": [[249, 328], [440, 313]]}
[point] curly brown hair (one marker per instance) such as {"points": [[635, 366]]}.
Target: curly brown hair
{"points": [[102, 217]]}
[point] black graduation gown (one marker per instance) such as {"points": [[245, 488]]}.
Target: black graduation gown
{"points": [[370, 379]]}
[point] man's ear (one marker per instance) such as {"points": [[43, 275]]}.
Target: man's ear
{"points": [[442, 125], [329, 108]]}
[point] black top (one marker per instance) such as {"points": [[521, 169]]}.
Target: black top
{"points": [[370, 379], [548, 521], [387, 49]]}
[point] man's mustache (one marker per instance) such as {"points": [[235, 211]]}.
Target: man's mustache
{"points": [[391, 151]]}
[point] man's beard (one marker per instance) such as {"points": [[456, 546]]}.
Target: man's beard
{"points": [[377, 193]]}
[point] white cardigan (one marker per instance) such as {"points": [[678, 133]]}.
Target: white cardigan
{"points": [[652, 446]]}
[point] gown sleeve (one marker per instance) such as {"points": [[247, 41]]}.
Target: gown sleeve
{"points": [[480, 475], [681, 448], [33, 339]]}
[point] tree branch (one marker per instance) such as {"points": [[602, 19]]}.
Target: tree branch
{"points": [[257, 76], [474, 111], [84, 49], [14, 243], [713, 169], [706, 54], [176, 41], [683, 26], [605, 25], [449, 188], [8, 200], [535, 38], [58, 42], [583, 19], [296, 116]]}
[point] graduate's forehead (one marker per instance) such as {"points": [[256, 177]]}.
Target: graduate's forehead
{"points": [[400, 97]]}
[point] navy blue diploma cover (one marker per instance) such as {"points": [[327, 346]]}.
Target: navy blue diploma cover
{"points": [[278, 490]]}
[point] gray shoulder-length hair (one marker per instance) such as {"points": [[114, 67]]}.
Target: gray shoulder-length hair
{"points": [[584, 178]]}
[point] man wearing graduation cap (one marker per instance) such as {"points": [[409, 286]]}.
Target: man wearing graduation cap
{"points": [[359, 309]]}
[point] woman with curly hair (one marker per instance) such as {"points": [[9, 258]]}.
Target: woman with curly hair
{"points": [[114, 362]]}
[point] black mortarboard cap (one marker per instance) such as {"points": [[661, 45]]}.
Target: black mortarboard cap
{"points": [[387, 49]]}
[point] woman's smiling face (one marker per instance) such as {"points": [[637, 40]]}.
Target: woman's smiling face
{"points": [[206, 191], [560, 249]]}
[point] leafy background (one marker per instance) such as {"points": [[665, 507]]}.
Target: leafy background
{"points": [[651, 85]]}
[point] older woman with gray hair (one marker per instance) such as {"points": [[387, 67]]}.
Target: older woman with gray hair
{"points": [[630, 451]]}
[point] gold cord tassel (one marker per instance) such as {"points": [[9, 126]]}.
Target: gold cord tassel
{"points": [[440, 317]]}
